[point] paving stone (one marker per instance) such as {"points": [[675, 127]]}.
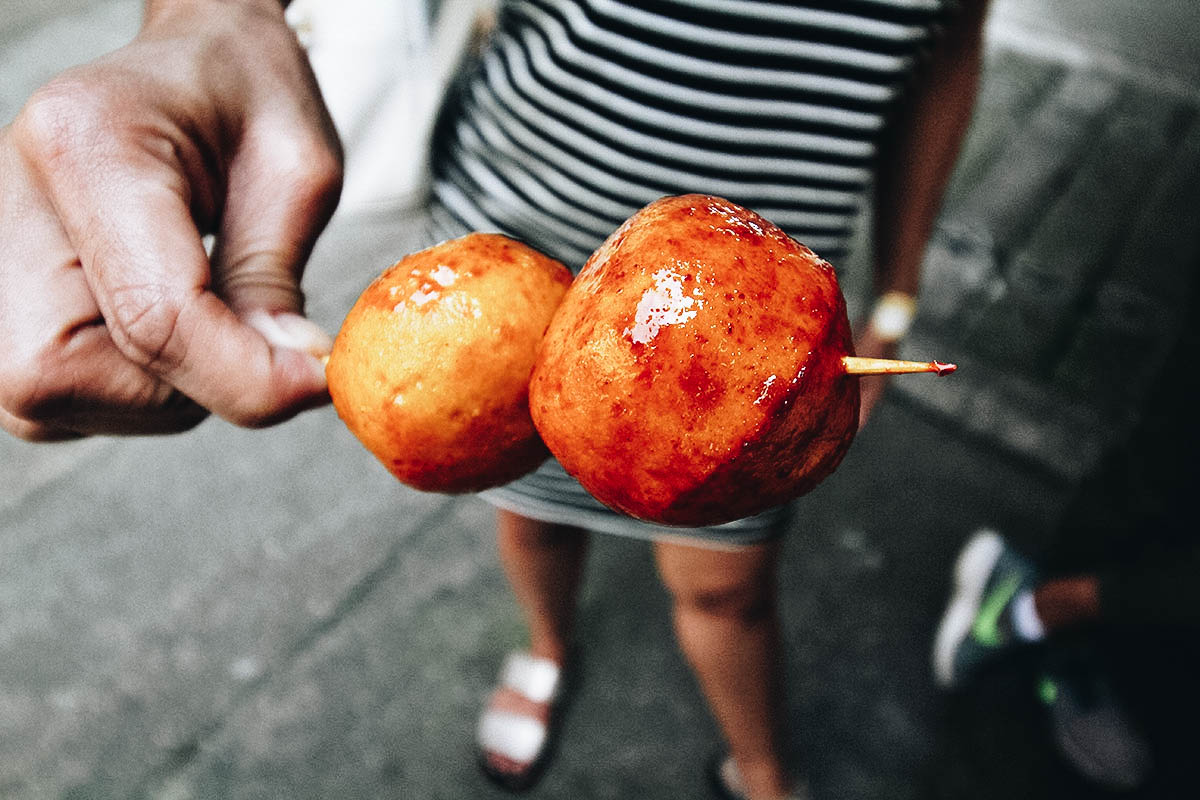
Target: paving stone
{"points": [[960, 278], [383, 702], [1122, 341], [1118, 351], [1164, 236], [1011, 87], [38, 40], [1010, 411], [1157, 49], [1065, 249], [146, 590], [1039, 159], [1055, 271]]}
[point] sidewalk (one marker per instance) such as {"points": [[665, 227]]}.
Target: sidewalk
{"points": [[268, 614]]}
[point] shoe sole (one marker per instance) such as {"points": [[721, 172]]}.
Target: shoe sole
{"points": [[1122, 767], [971, 572], [1103, 772]]}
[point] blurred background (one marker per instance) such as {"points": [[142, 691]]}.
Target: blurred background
{"points": [[268, 614]]}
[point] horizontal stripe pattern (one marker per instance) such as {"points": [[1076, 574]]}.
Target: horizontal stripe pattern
{"points": [[580, 112]]}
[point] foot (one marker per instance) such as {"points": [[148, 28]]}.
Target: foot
{"points": [[1091, 729], [727, 782], [977, 625], [514, 730]]}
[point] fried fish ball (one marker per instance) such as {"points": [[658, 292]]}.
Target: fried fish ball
{"points": [[693, 374], [431, 367]]}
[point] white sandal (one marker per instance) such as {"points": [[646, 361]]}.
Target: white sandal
{"points": [[514, 729]]}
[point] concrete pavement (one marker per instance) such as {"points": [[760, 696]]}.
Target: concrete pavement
{"points": [[237, 614]]}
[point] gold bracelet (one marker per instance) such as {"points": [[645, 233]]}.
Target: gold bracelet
{"points": [[892, 315]]}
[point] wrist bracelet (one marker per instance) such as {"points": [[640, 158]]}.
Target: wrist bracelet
{"points": [[892, 315]]}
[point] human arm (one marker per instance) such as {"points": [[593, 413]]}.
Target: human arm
{"points": [[915, 163], [113, 319]]}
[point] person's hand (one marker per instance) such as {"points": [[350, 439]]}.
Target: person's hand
{"points": [[869, 344], [112, 317]]}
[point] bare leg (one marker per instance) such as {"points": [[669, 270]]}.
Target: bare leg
{"points": [[544, 563], [728, 627]]}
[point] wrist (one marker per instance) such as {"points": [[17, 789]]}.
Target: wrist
{"points": [[245, 23], [152, 9], [892, 316]]}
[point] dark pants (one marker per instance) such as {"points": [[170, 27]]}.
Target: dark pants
{"points": [[1134, 522]]}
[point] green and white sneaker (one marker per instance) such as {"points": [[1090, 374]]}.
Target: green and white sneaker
{"points": [[977, 625]]}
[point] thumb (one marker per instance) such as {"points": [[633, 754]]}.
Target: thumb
{"points": [[150, 280], [263, 289], [281, 193]]}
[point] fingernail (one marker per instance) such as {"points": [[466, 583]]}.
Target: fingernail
{"points": [[292, 331]]}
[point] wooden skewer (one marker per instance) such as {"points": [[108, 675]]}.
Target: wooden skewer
{"points": [[870, 366], [886, 366]]}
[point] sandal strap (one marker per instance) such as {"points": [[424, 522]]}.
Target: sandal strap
{"points": [[516, 723], [514, 736], [510, 701], [537, 678]]}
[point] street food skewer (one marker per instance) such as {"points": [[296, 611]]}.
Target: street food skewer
{"points": [[886, 366]]}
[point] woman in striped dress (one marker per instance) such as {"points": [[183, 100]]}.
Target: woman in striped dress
{"points": [[579, 112]]}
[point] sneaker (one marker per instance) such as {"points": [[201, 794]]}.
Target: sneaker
{"points": [[1091, 729], [977, 625]]}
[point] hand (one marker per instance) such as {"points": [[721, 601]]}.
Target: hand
{"points": [[112, 317], [870, 345]]}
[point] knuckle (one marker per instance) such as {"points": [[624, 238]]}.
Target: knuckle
{"points": [[329, 169], [311, 168], [320, 172], [35, 389], [61, 119], [143, 323]]}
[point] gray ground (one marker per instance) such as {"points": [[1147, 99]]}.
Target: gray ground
{"points": [[237, 614]]}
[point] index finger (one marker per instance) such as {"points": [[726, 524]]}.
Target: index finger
{"points": [[142, 253]]}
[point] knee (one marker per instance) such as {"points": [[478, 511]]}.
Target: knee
{"points": [[744, 602]]}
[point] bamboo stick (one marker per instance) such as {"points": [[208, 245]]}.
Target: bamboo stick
{"points": [[886, 366]]}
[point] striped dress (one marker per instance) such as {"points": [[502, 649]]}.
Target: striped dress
{"points": [[580, 112]]}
